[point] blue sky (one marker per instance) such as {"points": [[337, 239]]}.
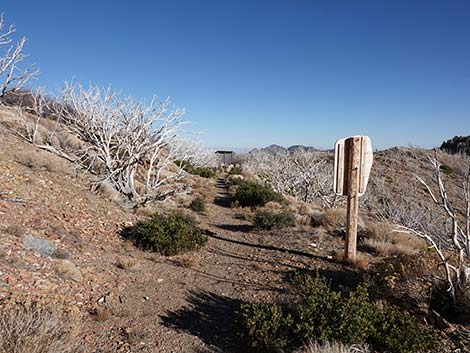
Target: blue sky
{"points": [[255, 72]]}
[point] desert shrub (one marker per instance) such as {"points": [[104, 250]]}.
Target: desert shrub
{"points": [[266, 327], [169, 235], [33, 327], [204, 172], [447, 169], [265, 219], [235, 180], [252, 194], [397, 331], [236, 170], [198, 204], [322, 314]]}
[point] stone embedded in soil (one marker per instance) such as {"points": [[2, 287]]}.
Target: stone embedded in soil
{"points": [[44, 247]]}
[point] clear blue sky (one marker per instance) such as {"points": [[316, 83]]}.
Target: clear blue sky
{"points": [[251, 73]]}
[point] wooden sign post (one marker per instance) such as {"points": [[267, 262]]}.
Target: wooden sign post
{"points": [[353, 162]]}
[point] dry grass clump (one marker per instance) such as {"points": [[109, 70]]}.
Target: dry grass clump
{"points": [[125, 263], [68, 270], [384, 241], [333, 220], [32, 327], [334, 347], [302, 211], [42, 161], [101, 314], [244, 213], [360, 262], [273, 206], [109, 192]]}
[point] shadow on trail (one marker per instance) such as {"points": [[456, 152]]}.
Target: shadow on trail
{"points": [[269, 247], [245, 228], [211, 317], [338, 279], [258, 259]]}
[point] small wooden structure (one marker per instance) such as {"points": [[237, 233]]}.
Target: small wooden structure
{"points": [[225, 157]]}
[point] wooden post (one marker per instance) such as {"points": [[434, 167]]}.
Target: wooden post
{"points": [[354, 160]]}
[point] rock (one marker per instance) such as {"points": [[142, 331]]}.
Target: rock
{"points": [[68, 270], [44, 247]]}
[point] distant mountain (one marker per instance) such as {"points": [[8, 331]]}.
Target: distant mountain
{"points": [[297, 148], [276, 149], [458, 144]]}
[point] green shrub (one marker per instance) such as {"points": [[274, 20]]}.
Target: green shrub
{"points": [[264, 219], [204, 172], [267, 327], [321, 314], [399, 332], [252, 194], [446, 169], [169, 235], [236, 170], [185, 165], [198, 204]]}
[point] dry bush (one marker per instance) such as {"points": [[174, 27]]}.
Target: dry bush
{"points": [[41, 161], [306, 175], [334, 220], [334, 347], [244, 213], [360, 262], [384, 241], [31, 327], [125, 263], [68, 270], [273, 206], [109, 192]]}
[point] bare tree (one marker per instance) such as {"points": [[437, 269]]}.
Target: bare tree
{"points": [[131, 145], [307, 175], [457, 238], [195, 153], [12, 76]]}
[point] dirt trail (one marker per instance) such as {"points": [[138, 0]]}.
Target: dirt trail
{"points": [[188, 303]]}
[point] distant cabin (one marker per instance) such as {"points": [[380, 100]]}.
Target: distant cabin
{"points": [[225, 157]]}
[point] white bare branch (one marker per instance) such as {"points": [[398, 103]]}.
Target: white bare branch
{"points": [[12, 76], [307, 175]]}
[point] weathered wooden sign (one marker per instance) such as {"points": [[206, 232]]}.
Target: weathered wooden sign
{"points": [[344, 159], [353, 162]]}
